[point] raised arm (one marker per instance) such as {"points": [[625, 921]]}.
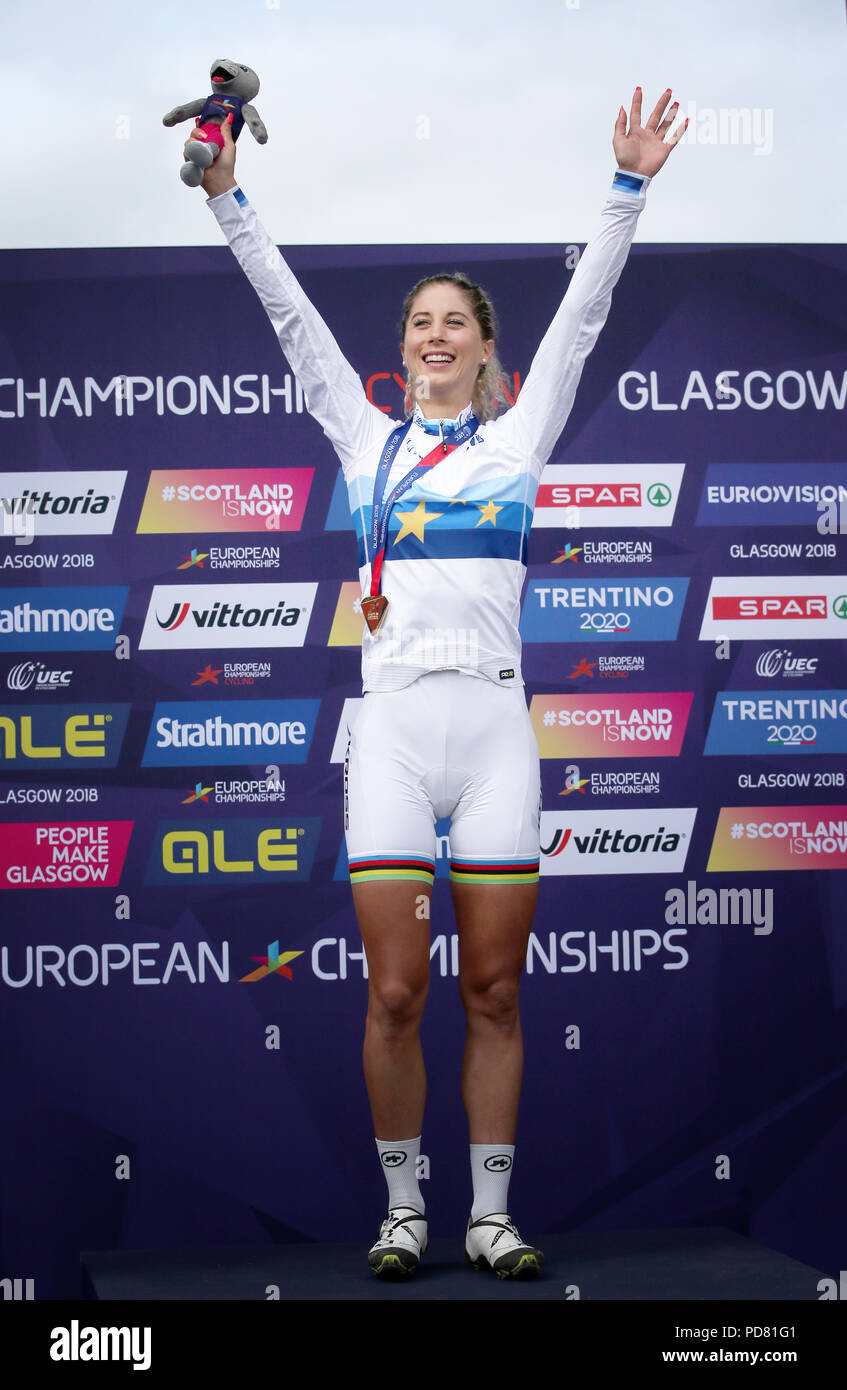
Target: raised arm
{"points": [[547, 394], [333, 391]]}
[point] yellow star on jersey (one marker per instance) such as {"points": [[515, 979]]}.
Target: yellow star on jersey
{"points": [[414, 522], [489, 512]]}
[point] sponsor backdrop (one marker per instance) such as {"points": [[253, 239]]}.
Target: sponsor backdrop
{"points": [[183, 987]]}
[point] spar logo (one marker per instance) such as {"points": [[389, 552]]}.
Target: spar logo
{"points": [[575, 610], [608, 494], [225, 499], [779, 837], [769, 494], [60, 504], [623, 726], [775, 607], [782, 662], [238, 732], [616, 842], [248, 850], [271, 964], [757, 721], [62, 736], [227, 615], [75, 618], [63, 854]]}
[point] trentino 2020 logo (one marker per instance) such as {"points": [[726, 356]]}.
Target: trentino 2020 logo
{"points": [[248, 850], [573, 610], [775, 721]]}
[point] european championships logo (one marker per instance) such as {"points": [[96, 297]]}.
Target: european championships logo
{"points": [[271, 964]]}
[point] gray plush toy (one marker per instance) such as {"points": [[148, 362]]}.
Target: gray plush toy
{"points": [[233, 88]]}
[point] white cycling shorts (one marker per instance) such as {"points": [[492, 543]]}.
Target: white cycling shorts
{"points": [[452, 745]]}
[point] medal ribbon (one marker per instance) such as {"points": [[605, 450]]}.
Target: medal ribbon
{"points": [[381, 511]]}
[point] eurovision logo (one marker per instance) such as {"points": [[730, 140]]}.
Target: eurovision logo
{"points": [[63, 854], [779, 837], [756, 722], [773, 606], [616, 842], [575, 610], [227, 615], [225, 499], [612, 495], [769, 494], [602, 726]]}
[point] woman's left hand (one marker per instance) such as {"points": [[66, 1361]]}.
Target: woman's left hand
{"points": [[644, 149]]}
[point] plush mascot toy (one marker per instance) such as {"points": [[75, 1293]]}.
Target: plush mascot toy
{"points": [[233, 89]]}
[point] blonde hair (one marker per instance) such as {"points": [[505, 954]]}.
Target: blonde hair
{"points": [[489, 395]]}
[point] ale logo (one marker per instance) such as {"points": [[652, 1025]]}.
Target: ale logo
{"points": [[659, 495], [243, 851]]}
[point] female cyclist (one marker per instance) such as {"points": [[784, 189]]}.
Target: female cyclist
{"points": [[442, 505]]}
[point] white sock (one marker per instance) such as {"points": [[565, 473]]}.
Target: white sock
{"points": [[399, 1164], [491, 1169]]}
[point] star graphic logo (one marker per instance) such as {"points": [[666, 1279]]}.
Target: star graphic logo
{"points": [[271, 964], [414, 522], [200, 793], [194, 557], [578, 785], [570, 552], [489, 512], [584, 668], [207, 674]]}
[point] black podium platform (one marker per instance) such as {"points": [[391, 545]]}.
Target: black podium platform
{"points": [[700, 1264]]}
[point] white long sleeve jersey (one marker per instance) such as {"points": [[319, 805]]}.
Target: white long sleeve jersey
{"points": [[455, 557]]}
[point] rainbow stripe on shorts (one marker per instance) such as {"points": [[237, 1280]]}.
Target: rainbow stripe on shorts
{"points": [[385, 868], [494, 871]]}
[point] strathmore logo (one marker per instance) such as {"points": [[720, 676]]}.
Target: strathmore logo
{"points": [[237, 732], [771, 606], [616, 842], [227, 615], [225, 499], [73, 618], [60, 504], [608, 494]]}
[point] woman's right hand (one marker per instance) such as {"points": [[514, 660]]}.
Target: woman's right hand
{"points": [[220, 175]]}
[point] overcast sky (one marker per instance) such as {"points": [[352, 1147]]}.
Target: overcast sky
{"points": [[447, 121]]}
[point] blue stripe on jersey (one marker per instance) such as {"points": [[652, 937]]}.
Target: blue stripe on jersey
{"points": [[631, 182], [452, 544], [239, 197]]}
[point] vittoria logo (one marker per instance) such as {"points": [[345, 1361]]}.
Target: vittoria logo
{"points": [[616, 842], [60, 504], [227, 615]]}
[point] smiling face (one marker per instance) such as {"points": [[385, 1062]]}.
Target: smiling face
{"points": [[443, 349]]}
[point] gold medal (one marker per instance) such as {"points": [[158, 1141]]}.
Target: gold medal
{"points": [[375, 608]]}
